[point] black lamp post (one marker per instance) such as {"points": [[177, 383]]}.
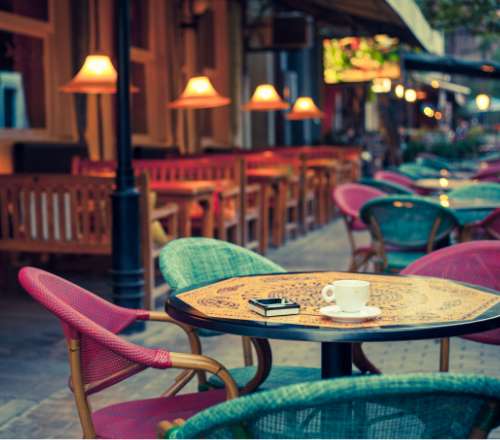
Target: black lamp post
{"points": [[127, 270]]}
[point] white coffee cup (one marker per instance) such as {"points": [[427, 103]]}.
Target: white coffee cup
{"points": [[349, 295]]}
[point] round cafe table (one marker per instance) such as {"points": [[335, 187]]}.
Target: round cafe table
{"points": [[442, 184], [336, 343]]}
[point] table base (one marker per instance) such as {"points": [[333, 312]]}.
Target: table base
{"points": [[336, 359]]}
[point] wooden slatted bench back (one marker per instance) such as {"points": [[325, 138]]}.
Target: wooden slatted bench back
{"points": [[225, 167], [55, 213], [209, 168]]}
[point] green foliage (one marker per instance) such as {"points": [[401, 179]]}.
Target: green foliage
{"points": [[462, 149], [479, 17]]}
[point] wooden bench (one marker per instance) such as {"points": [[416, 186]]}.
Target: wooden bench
{"points": [[236, 216], [62, 214]]}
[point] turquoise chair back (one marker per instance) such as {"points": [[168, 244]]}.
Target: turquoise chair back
{"points": [[408, 222], [415, 171], [416, 406], [435, 163], [188, 262], [489, 191], [386, 186]]}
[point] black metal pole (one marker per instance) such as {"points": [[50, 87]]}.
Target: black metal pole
{"points": [[127, 271]]}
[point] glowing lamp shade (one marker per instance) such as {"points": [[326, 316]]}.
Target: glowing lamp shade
{"points": [[399, 91], [410, 95], [428, 111], [381, 85], [198, 94], [97, 75], [483, 102], [265, 98], [304, 108]]}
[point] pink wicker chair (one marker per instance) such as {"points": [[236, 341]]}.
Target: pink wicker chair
{"points": [[398, 178], [349, 198], [491, 173], [486, 229], [99, 358], [475, 262], [491, 224]]}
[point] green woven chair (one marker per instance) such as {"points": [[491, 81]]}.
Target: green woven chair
{"points": [[386, 186], [404, 228], [434, 162], [487, 190], [188, 262], [415, 171], [400, 406]]}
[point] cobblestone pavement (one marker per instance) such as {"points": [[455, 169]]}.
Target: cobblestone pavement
{"points": [[34, 398]]}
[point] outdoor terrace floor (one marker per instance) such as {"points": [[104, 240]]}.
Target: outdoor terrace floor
{"points": [[36, 402]]}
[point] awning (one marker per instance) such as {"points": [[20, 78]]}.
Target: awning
{"points": [[448, 64], [440, 81], [397, 18], [494, 106]]}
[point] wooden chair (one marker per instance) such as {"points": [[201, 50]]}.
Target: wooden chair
{"points": [[288, 196], [236, 215], [62, 214]]}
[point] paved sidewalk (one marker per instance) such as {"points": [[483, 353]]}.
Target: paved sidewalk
{"points": [[34, 398]]}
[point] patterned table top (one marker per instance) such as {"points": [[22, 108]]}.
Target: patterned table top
{"points": [[403, 300]]}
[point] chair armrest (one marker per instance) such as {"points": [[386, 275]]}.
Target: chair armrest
{"points": [[229, 192], [194, 340], [164, 211], [253, 188], [204, 363]]}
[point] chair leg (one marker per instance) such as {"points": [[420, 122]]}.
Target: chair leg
{"points": [[444, 355], [247, 351], [361, 361]]}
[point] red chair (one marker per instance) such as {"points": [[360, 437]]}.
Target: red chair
{"points": [[99, 358], [349, 198], [475, 262], [398, 178]]}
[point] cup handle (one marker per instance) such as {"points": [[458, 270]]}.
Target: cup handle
{"points": [[328, 293]]}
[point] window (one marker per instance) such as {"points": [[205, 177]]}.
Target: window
{"points": [[37, 9], [139, 100], [139, 23], [22, 86]]}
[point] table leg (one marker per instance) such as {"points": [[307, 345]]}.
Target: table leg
{"points": [[264, 216], [208, 218], [184, 225], [336, 359]]}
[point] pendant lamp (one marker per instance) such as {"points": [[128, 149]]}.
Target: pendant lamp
{"points": [[198, 94], [304, 108], [96, 76], [265, 98]]}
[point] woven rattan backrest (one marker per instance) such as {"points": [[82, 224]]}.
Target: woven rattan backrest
{"points": [[82, 315], [476, 262], [187, 262], [407, 221]]}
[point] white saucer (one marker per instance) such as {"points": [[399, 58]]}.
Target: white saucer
{"points": [[365, 314]]}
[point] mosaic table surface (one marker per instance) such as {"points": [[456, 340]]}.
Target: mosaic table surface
{"points": [[403, 300]]}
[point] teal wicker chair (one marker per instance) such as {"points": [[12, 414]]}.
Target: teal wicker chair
{"points": [[487, 190], [435, 162], [415, 171], [386, 186], [439, 405], [405, 228], [188, 262]]}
